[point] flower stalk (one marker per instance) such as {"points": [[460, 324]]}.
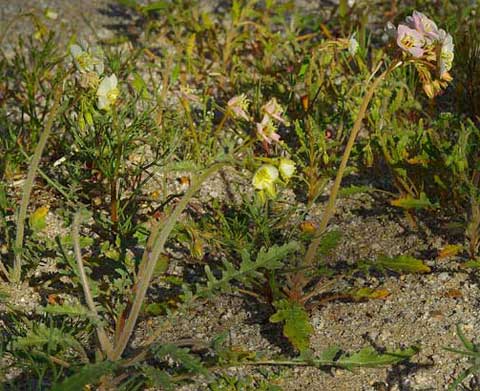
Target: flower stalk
{"points": [[28, 186], [150, 256], [330, 208]]}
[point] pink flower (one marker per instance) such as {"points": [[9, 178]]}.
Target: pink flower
{"points": [[238, 106], [267, 131], [410, 40], [424, 25], [274, 110]]}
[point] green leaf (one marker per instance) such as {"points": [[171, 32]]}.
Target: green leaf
{"points": [[329, 354], [89, 374], [330, 241], [352, 190], [156, 6], [66, 309], [38, 219], [468, 344], [297, 327], [402, 263], [369, 357], [158, 378], [409, 202], [182, 356], [248, 271], [474, 264]]}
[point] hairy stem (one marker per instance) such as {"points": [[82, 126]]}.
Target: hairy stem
{"points": [[329, 210], [150, 257], [102, 336], [28, 186]]}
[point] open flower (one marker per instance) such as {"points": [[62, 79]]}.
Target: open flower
{"points": [[274, 110], [264, 179], [423, 25], [410, 40], [267, 131], [286, 168], [238, 106], [87, 59], [107, 92]]}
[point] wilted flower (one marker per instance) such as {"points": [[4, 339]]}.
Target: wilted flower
{"points": [[87, 59], [238, 106], [267, 130], [274, 110], [107, 92], [410, 40], [264, 179], [89, 80], [446, 53], [286, 168]]}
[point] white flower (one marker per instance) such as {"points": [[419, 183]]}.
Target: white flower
{"points": [[286, 168], [353, 45], [107, 92], [87, 59], [446, 52]]}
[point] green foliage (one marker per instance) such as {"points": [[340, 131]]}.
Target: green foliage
{"points": [[247, 383], [296, 323], [402, 264], [88, 375], [249, 270], [472, 352], [180, 356], [370, 358], [131, 164]]}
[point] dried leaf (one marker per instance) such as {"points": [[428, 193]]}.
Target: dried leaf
{"points": [[449, 250], [369, 293]]}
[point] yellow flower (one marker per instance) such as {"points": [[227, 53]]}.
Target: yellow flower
{"points": [[107, 92], [264, 179], [286, 168]]}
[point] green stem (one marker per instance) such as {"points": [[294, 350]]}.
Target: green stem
{"points": [[102, 336], [28, 186], [329, 210], [150, 257]]}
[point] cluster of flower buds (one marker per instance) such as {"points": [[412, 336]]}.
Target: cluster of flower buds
{"points": [[89, 63], [430, 47], [267, 176]]}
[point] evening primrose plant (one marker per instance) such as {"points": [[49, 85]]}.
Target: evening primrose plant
{"points": [[268, 104]]}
